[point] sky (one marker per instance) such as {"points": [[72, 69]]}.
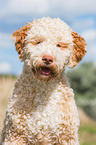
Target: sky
{"points": [[80, 15]]}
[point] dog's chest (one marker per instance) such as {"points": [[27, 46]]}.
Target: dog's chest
{"points": [[48, 115]]}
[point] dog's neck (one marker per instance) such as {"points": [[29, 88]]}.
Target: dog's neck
{"points": [[34, 92], [60, 78], [27, 78], [28, 83]]}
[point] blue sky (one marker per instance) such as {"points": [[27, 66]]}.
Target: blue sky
{"points": [[80, 15]]}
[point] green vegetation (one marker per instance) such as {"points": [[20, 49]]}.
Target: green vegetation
{"points": [[89, 143], [87, 134], [8, 76], [83, 81], [88, 128]]}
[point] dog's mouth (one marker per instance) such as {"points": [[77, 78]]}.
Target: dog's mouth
{"points": [[45, 71]]}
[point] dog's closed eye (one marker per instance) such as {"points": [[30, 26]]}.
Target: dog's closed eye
{"points": [[62, 45], [37, 40]]}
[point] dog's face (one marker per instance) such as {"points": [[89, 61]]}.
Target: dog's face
{"points": [[47, 46]]}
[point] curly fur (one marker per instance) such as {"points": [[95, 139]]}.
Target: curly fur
{"points": [[42, 110]]}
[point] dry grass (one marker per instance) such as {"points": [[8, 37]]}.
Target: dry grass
{"points": [[6, 87], [87, 131]]}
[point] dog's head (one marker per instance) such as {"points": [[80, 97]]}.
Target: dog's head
{"points": [[47, 46]]}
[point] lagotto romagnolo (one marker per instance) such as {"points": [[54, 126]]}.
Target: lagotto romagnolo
{"points": [[42, 110]]}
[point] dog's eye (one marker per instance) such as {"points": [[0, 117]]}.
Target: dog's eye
{"points": [[58, 45], [36, 41], [62, 45]]}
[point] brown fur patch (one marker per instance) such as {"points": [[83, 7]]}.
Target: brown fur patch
{"points": [[79, 49], [20, 39]]}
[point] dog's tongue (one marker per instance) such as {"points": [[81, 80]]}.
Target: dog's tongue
{"points": [[45, 70]]}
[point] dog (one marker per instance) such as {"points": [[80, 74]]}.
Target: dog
{"points": [[42, 110]]}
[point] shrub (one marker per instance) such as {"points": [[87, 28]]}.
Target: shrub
{"points": [[83, 81]]}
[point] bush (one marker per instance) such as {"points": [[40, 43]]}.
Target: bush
{"points": [[88, 106], [83, 81]]}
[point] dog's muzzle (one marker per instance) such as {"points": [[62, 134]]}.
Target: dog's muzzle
{"points": [[46, 69]]}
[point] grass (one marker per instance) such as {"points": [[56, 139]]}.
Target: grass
{"points": [[6, 87], [87, 130], [87, 134]]}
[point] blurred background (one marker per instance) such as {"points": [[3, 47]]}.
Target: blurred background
{"points": [[80, 15]]}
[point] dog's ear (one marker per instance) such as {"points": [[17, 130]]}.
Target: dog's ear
{"points": [[18, 38], [79, 50]]}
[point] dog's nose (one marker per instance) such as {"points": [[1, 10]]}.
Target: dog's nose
{"points": [[47, 59]]}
